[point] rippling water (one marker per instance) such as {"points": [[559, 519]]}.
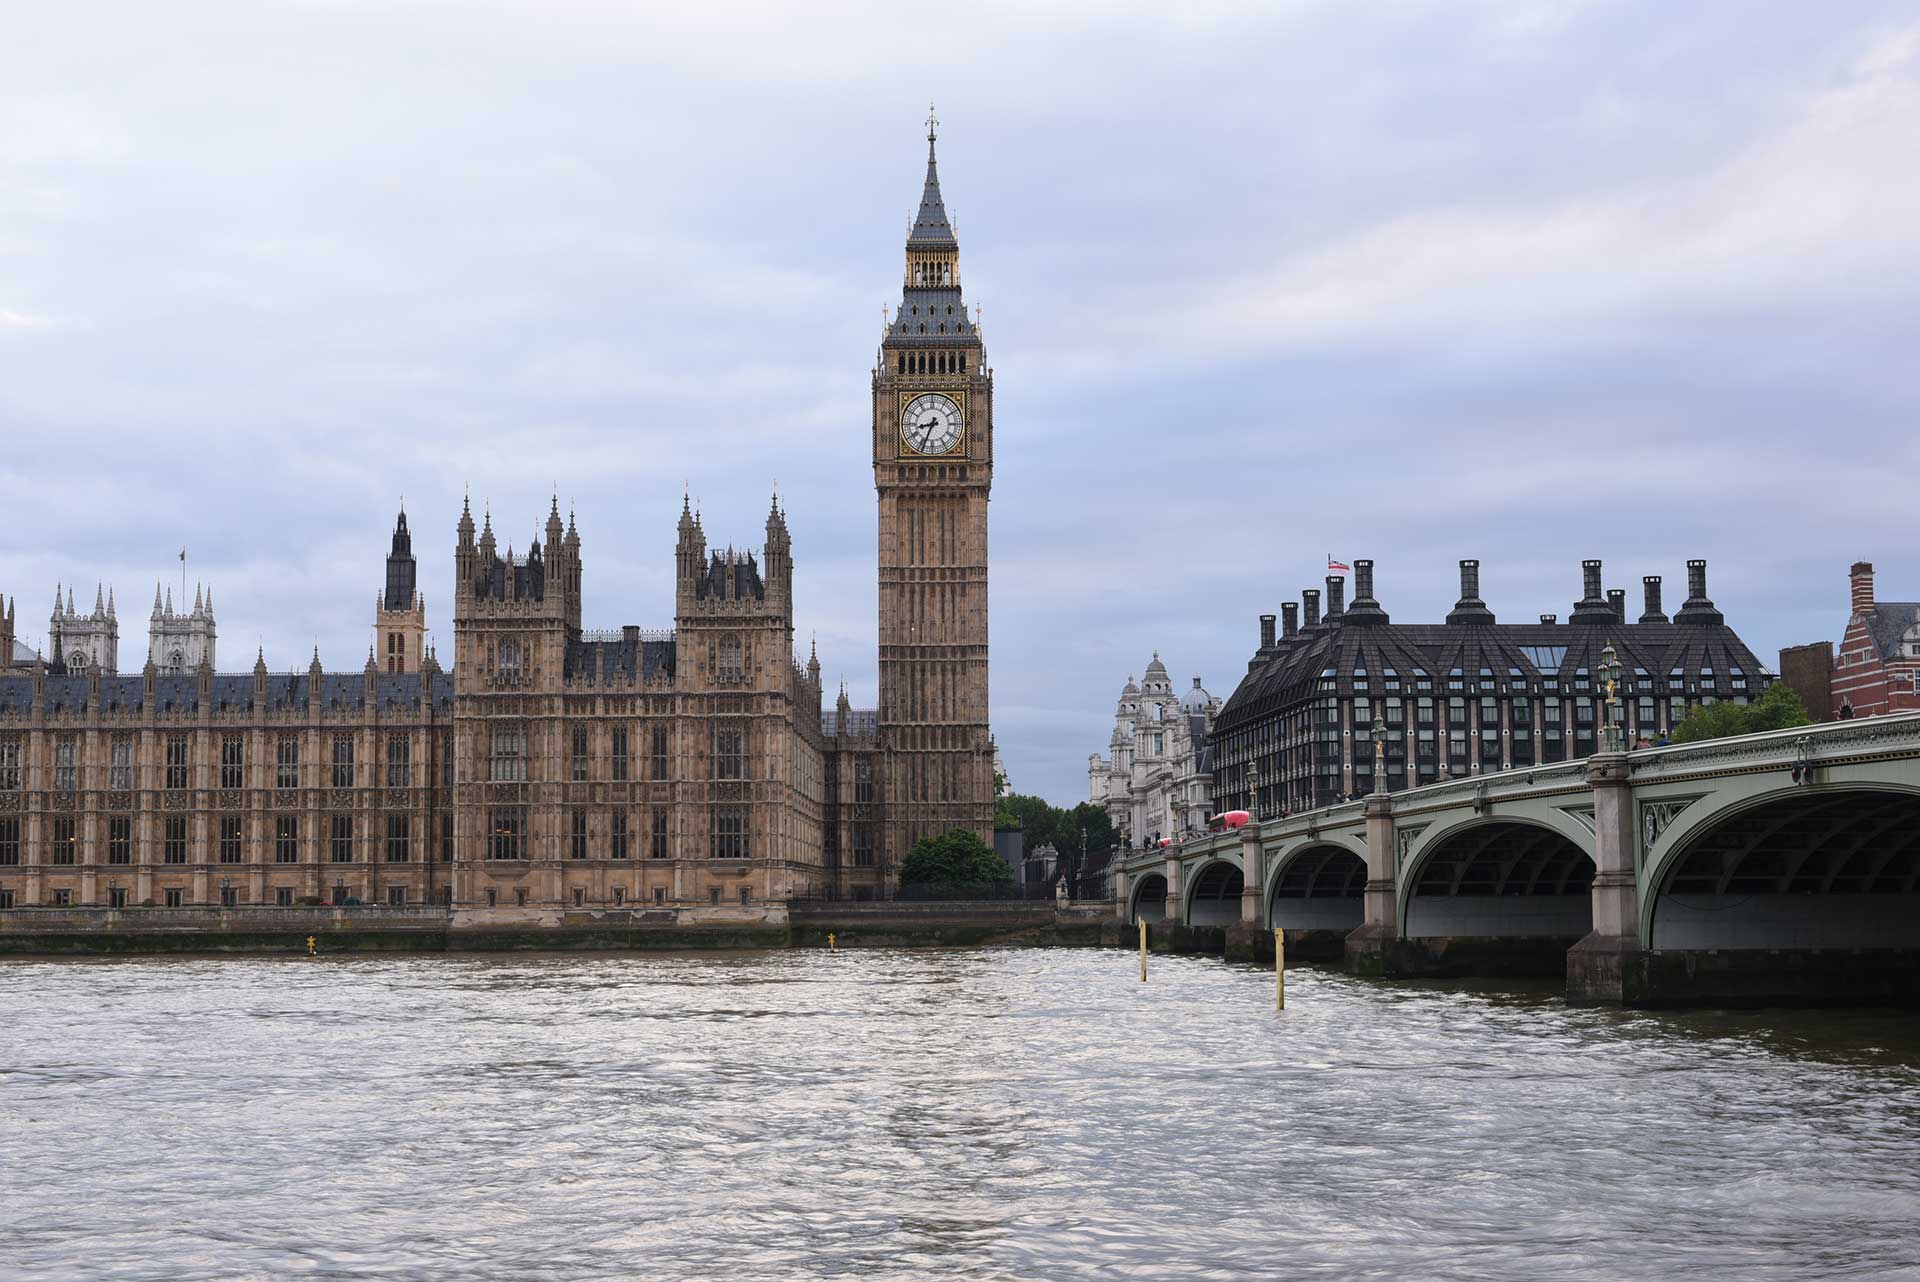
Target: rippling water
{"points": [[928, 1115]]}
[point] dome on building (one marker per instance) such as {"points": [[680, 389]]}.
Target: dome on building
{"points": [[1156, 681], [1130, 687], [1196, 699]]}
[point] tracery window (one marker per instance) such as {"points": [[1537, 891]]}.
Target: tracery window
{"points": [[507, 756], [399, 761], [286, 762], [233, 757]]}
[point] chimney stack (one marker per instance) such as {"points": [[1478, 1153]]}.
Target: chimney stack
{"points": [[1336, 596], [1592, 606], [1266, 632], [1289, 619], [1312, 601], [1697, 608], [1862, 576], [1549, 618], [1470, 608], [1650, 589], [1617, 602], [1364, 608]]}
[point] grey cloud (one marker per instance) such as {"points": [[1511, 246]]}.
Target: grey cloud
{"points": [[1414, 282]]}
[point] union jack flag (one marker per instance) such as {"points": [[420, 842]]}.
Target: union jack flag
{"points": [[1337, 565]]}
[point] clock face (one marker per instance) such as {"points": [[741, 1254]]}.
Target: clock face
{"points": [[930, 424]]}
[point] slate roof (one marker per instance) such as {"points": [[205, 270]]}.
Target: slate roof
{"points": [[938, 307], [859, 722], [931, 230], [393, 692], [1888, 625], [1335, 648], [622, 660]]}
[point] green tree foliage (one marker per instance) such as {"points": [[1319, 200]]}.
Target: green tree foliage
{"points": [[956, 861], [1778, 709], [1043, 824]]}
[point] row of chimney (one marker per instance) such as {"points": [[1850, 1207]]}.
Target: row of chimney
{"points": [[1596, 605]]}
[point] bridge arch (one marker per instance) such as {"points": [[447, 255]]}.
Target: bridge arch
{"points": [[1148, 902], [1317, 886], [1214, 895], [1794, 867], [1498, 877]]}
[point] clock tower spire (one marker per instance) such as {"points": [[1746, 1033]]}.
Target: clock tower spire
{"points": [[933, 470]]}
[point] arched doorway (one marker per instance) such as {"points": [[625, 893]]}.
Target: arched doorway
{"points": [[1215, 900]]}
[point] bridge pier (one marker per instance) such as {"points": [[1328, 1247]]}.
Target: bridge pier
{"points": [[1610, 964], [1253, 876], [1376, 948], [1176, 910]]}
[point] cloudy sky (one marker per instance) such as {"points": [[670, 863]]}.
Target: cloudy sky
{"points": [[1525, 282]]}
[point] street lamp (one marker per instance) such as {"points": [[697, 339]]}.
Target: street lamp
{"points": [[1610, 684], [1253, 789], [1379, 753]]}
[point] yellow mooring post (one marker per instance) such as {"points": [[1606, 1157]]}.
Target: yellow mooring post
{"points": [[1143, 950], [1279, 969], [309, 945]]}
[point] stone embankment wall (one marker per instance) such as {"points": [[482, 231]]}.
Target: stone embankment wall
{"points": [[102, 932]]}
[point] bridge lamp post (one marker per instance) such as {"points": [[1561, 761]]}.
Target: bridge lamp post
{"points": [[1253, 789], [1610, 683], [1379, 753]]}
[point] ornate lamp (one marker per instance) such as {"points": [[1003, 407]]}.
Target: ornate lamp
{"points": [[1610, 686], [1379, 753], [1253, 789]]}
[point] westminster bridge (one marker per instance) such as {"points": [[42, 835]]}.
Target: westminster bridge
{"points": [[1783, 865]]}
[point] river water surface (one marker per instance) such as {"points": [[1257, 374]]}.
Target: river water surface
{"points": [[928, 1115]]}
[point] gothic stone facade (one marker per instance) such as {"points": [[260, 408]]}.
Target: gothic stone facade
{"points": [[933, 469], [553, 768]]}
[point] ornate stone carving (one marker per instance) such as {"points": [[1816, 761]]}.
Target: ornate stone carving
{"points": [[1582, 815], [120, 800], [61, 801], [341, 799], [9, 803], [286, 799], [1403, 839], [173, 800], [233, 799], [1657, 816]]}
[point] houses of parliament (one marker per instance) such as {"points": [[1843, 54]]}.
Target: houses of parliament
{"points": [[696, 769]]}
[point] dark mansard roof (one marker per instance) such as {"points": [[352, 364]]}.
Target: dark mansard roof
{"points": [[627, 659], [930, 316], [177, 693], [859, 722], [733, 576], [1335, 649]]}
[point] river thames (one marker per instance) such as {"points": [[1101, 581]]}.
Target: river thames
{"points": [[929, 1115]]}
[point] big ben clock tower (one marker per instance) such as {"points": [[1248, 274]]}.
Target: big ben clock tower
{"points": [[933, 468]]}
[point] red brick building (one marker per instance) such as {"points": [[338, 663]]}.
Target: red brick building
{"points": [[1877, 669]]}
